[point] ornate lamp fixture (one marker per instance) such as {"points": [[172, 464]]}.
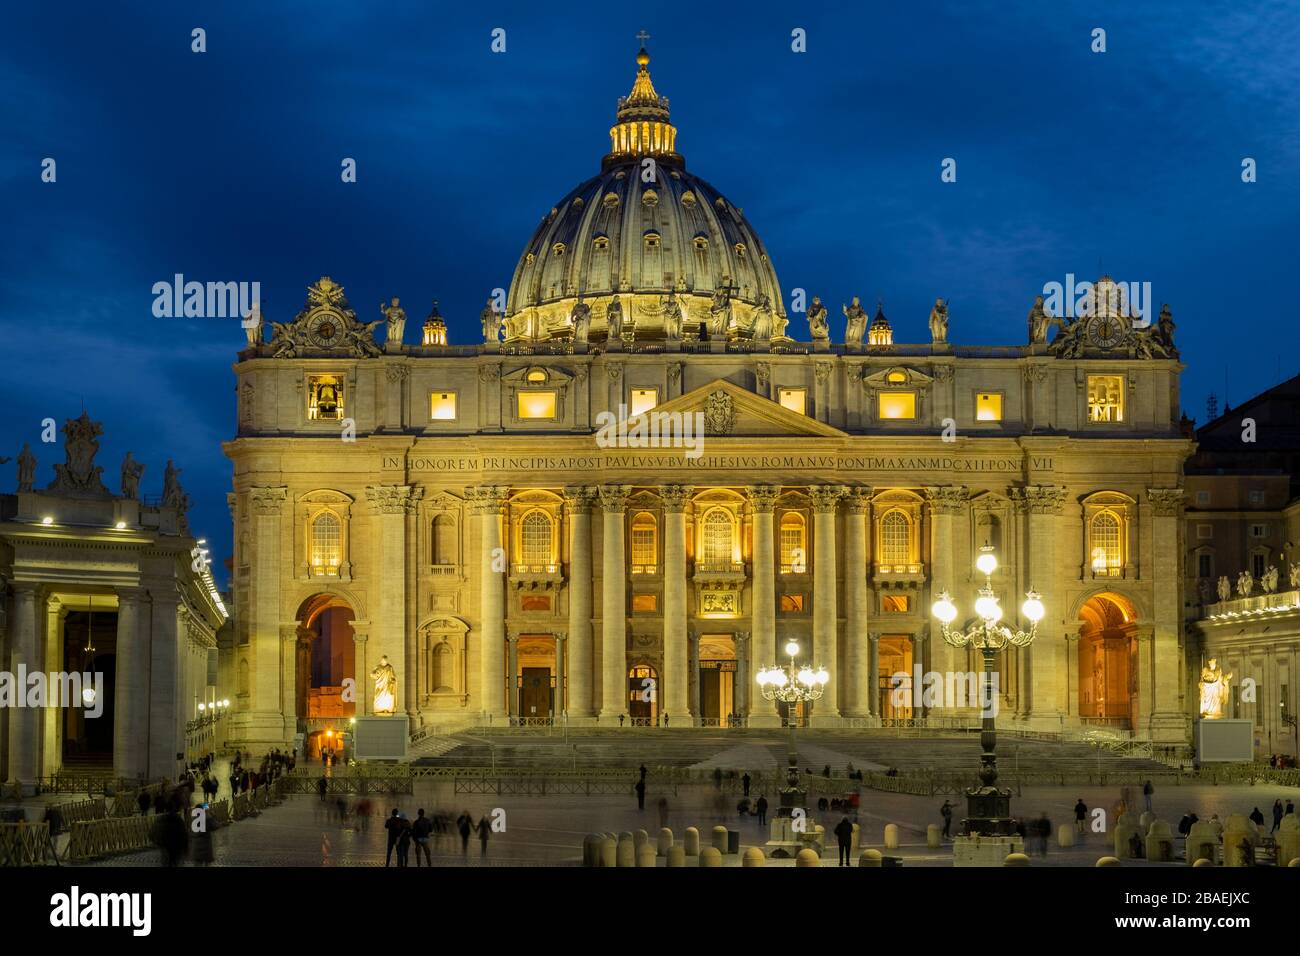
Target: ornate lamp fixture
{"points": [[792, 685], [988, 807]]}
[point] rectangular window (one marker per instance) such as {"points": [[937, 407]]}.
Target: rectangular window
{"points": [[325, 398], [1105, 398], [644, 399], [1257, 497], [897, 405], [442, 406], [1202, 499], [1205, 566], [1257, 565], [537, 404], [896, 603], [792, 603], [1204, 531], [988, 407], [795, 399], [644, 603], [1259, 531]]}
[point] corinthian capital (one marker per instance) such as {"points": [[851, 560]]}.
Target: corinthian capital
{"points": [[391, 499], [487, 499], [1038, 499], [1166, 502], [613, 498], [268, 501], [947, 499], [763, 497], [579, 498], [826, 497], [858, 500], [676, 498]]}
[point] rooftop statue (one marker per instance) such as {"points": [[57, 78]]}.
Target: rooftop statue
{"points": [[26, 468], [253, 324], [580, 319], [395, 316], [939, 322], [1039, 323], [817, 324], [614, 320], [763, 320], [385, 684], [490, 319], [79, 473], [856, 326], [131, 472], [720, 307], [672, 310], [1225, 588]]}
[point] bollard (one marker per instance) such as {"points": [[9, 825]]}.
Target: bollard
{"points": [[591, 849], [807, 857], [640, 838], [720, 839], [1145, 821], [1125, 830], [1108, 861], [934, 836], [1295, 862], [1016, 859], [1203, 861], [645, 855], [665, 841], [1160, 843], [1202, 842], [608, 852], [1065, 835], [891, 836], [692, 841], [710, 856], [677, 855], [1288, 838], [1236, 831], [871, 858], [626, 852], [754, 857]]}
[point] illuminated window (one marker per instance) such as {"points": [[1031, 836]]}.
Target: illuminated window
{"points": [[896, 603], [795, 399], [717, 539], [535, 539], [988, 407], [792, 602], [1105, 544], [895, 538], [1105, 398], [442, 406], [326, 543], [644, 399], [643, 543], [896, 378], [325, 398], [537, 377], [897, 405], [644, 603], [793, 548], [537, 404]]}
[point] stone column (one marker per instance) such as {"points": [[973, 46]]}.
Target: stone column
{"points": [[873, 673], [762, 499], [364, 704], [302, 670], [1042, 504], [581, 651], [52, 660], [741, 690], [23, 741], [675, 690], [490, 503], [560, 707], [165, 707], [947, 504], [857, 604], [694, 653], [825, 649], [131, 688], [1169, 722], [390, 504], [265, 720], [513, 703], [613, 610], [290, 677]]}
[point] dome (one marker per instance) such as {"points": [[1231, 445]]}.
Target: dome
{"points": [[643, 230]]}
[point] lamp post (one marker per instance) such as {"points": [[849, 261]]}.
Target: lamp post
{"points": [[792, 685], [988, 808]]}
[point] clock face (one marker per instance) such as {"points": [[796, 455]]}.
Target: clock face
{"points": [[1105, 331], [325, 330]]}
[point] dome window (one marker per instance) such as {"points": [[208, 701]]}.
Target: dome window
{"points": [[578, 203], [740, 250], [688, 198], [600, 243], [652, 239], [558, 249], [610, 200], [701, 243], [650, 198]]}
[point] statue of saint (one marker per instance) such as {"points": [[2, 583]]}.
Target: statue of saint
{"points": [[1294, 574], [1225, 588], [1269, 579], [253, 326], [939, 322], [672, 310], [1039, 323], [26, 468], [173, 495], [491, 321], [1165, 329], [614, 320], [1214, 690], [385, 697], [131, 472], [1245, 584], [763, 320], [395, 316], [817, 324], [580, 318], [856, 326], [720, 308]]}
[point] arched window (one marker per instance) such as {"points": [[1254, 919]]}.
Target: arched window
{"points": [[717, 539], [535, 539], [1105, 544], [442, 678], [326, 543], [444, 540], [794, 549], [644, 543], [895, 538]]}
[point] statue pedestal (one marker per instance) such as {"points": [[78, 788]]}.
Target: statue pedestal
{"points": [[786, 841], [1225, 741], [985, 850], [381, 738]]}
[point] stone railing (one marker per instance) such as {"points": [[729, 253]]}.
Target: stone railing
{"points": [[1258, 605]]}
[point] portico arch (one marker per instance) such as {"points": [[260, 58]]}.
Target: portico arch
{"points": [[1107, 661], [325, 659]]}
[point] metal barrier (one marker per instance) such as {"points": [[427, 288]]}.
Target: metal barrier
{"points": [[79, 812], [89, 840], [26, 844]]}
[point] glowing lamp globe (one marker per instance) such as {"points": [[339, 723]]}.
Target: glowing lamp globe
{"points": [[88, 696], [944, 609], [987, 562], [987, 608], [792, 648], [1032, 609]]}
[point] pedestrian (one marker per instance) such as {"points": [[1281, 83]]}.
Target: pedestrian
{"points": [[484, 829], [663, 812], [393, 825], [465, 824], [946, 812], [322, 786], [640, 794], [1044, 832], [1147, 791], [745, 781], [420, 831], [643, 771], [142, 800], [844, 834], [1256, 817], [1290, 807], [1080, 816], [324, 758], [1277, 816], [1185, 824], [761, 807], [404, 834]]}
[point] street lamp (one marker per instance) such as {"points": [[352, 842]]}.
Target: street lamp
{"points": [[792, 685], [988, 807]]}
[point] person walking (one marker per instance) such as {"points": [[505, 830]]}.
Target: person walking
{"points": [[1290, 807], [484, 829], [420, 831], [1081, 816], [1277, 816], [663, 812], [761, 807], [393, 825], [1147, 791], [404, 834], [945, 811], [844, 834], [322, 787], [1256, 817], [465, 824], [640, 794], [744, 782]]}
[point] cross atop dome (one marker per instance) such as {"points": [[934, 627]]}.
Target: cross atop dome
{"points": [[642, 127]]}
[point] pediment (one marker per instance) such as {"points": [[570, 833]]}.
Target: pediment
{"points": [[898, 376], [733, 412]]}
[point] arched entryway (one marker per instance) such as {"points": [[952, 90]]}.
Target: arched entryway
{"points": [[1108, 648], [643, 695], [326, 661], [535, 682], [894, 690], [717, 676]]}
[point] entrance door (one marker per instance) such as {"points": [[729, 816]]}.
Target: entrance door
{"points": [[536, 696], [643, 696], [894, 663]]}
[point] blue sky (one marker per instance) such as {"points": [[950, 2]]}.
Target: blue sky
{"points": [[225, 166]]}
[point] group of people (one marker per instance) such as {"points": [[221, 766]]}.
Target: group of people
{"points": [[273, 765], [403, 833]]}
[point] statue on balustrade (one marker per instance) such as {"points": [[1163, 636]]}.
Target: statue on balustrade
{"points": [[1214, 690]]}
